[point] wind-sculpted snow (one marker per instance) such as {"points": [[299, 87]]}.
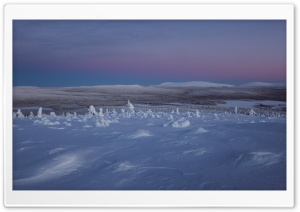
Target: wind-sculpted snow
{"points": [[140, 134], [149, 148], [179, 123]]}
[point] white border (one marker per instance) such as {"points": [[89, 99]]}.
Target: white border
{"points": [[147, 198]]}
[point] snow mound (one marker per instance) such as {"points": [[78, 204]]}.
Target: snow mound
{"points": [[193, 84], [200, 130], [140, 134], [46, 121], [263, 84], [180, 123]]}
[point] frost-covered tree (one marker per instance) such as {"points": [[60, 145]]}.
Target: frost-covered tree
{"points": [[114, 112], [40, 112], [102, 123], [235, 110], [170, 117], [20, 114], [197, 113], [177, 110], [216, 116], [31, 115], [130, 106], [101, 112], [92, 110], [52, 114], [251, 113]]}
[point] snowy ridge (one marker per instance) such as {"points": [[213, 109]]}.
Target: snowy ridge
{"points": [[193, 84]]}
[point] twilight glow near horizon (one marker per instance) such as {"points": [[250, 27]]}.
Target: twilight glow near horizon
{"points": [[147, 52]]}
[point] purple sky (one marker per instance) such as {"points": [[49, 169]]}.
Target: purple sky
{"points": [[70, 53]]}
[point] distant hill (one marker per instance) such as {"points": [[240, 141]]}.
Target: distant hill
{"points": [[193, 84], [263, 84]]}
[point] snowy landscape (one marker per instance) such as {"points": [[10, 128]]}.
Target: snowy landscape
{"points": [[171, 136]]}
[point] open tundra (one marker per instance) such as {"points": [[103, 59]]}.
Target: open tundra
{"points": [[171, 143]]}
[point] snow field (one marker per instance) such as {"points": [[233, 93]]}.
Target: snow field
{"points": [[135, 149]]}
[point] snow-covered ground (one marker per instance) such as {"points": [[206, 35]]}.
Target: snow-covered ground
{"points": [[134, 148]]}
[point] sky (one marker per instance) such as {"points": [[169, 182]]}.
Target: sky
{"points": [[147, 52]]}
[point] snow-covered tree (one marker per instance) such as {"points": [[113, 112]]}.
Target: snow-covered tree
{"points": [[52, 114], [114, 112], [92, 110], [40, 112], [130, 106], [20, 114], [235, 110], [170, 117], [177, 110], [251, 113], [101, 112], [31, 115], [197, 113], [102, 123]]}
